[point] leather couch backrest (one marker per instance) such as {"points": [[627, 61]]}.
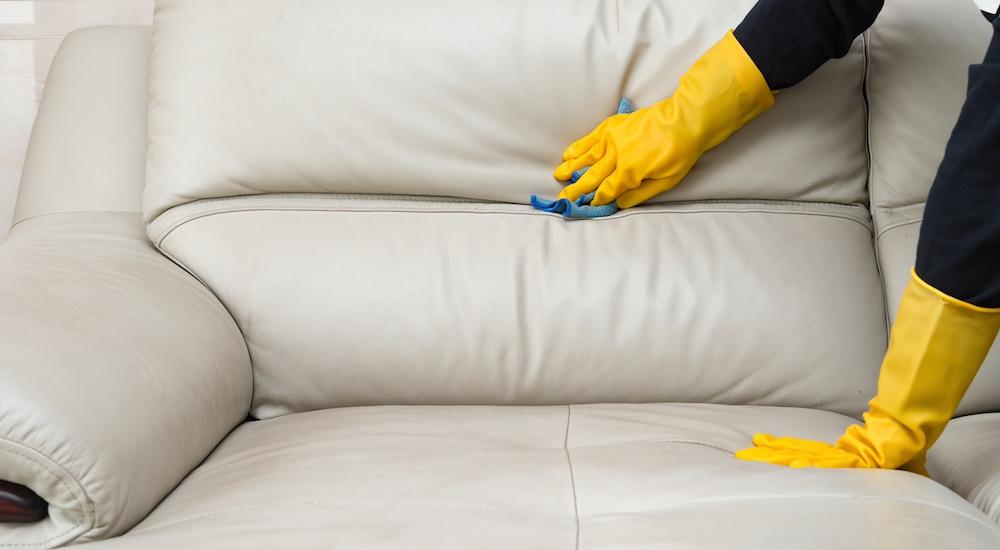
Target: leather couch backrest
{"points": [[457, 98], [351, 179]]}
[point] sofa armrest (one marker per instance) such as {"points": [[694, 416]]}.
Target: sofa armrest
{"points": [[119, 373], [967, 460]]}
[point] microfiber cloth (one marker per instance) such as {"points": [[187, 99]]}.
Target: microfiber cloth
{"points": [[581, 208]]}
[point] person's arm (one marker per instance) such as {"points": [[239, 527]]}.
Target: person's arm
{"points": [[950, 312], [959, 247], [789, 39], [780, 42]]}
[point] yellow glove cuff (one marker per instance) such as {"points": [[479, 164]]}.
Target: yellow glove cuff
{"points": [[954, 301], [745, 71]]}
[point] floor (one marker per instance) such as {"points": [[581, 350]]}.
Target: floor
{"points": [[30, 34]]}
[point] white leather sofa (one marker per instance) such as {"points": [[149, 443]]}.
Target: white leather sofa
{"points": [[306, 305]]}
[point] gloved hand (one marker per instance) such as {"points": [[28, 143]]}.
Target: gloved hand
{"points": [[937, 345], [635, 157]]}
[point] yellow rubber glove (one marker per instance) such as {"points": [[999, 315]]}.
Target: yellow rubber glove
{"points": [[937, 345], [638, 156]]}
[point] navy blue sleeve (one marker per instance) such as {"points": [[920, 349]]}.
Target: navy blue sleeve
{"points": [[959, 248], [789, 39]]}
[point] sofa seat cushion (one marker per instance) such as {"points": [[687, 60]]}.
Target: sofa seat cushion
{"points": [[368, 300], [967, 460], [547, 477]]}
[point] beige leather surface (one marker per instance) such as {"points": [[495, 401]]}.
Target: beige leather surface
{"points": [[88, 145], [374, 300], [897, 248], [920, 52], [967, 460], [120, 373], [600, 476], [392, 96]]}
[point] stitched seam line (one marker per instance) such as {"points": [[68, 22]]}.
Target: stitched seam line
{"points": [[374, 197], [425, 199], [721, 207], [910, 214], [674, 441], [869, 184], [345, 502], [896, 209], [164, 233], [866, 101], [371, 201], [572, 478], [62, 481], [897, 225]]}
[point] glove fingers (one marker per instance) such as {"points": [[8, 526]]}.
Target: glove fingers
{"points": [[646, 190], [770, 456], [835, 459], [592, 179], [586, 143], [796, 459], [792, 444], [799, 453], [613, 186], [763, 439], [597, 135], [565, 170], [753, 454]]}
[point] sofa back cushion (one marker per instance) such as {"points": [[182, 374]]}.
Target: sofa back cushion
{"points": [[459, 98], [350, 178]]}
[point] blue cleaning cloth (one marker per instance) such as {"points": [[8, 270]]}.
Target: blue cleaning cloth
{"points": [[581, 208]]}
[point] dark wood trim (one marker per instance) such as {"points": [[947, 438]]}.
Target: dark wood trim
{"points": [[19, 504]]}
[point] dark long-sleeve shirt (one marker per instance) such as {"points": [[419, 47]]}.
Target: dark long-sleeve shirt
{"points": [[789, 39], [959, 247]]}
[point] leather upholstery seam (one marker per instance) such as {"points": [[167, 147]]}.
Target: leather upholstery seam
{"points": [[888, 219], [904, 211], [866, 100], [870, 174], [84, 516], [427, 203], [572, 477], [903, 208], [161, 235], [680, 441], [896, 225], [439, 199]]}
